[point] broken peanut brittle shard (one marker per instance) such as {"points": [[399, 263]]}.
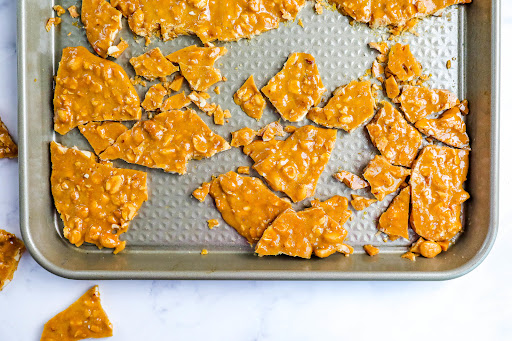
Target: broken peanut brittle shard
{"points": [[296, 166], [209, 20], [296, 88], [8, 148], [11, 249], [84, 319], [436, 192], [154, 97], [351, 180], [350, 106], [197, 56], [95, 200], [153, 64], [395, 220], [246, 204], [418, 102], [449, 128], [383, 177], [200, 78], [102, 23], [402, 63], [90, 88], [378, 13], [243, 137], [250, 99], [360, 203], [102, 135], [260, 150], [168, 141], [300, 234], [398, 141], [336, 207]]}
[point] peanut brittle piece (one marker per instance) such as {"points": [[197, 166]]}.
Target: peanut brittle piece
{"points": [[102, 135], [436, 192], [117, 50], [176, 102], [351, 180], [246, 204], [242, 137], [297, 165], [371, 250], [378, 13], [244, 170], [300, 234], [350, 106], [168, 141], [392, 89], [360, 203], [73, 12], [102, 23], [426, 248], [90, 88], [382, 47], [8, 148], [200, 101], [83, 319], [52, 22], [95, 200], [11, 249], [336, 207], [296, 88], [197, 56], [271, 130], [260, 150], [449, 128], [395, 220], [250, 99], [418, 102], [200, 78], [202, 192], [154, 97], [220, 115], [402, 63], [209, 20], [398, 141], [176, 83], [383, 177], [153, 64]]}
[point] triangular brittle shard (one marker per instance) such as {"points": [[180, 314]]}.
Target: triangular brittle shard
{"points": [[449, 128], [90, 88], [246, 204], [95, 200], [395, 221], [168, 141], [102, 135], [84, 319], [7, 146], [102, 23], [294, 166], [300, 234]]}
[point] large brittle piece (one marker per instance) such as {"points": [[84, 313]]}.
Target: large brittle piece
{"points": [[167, 141], [90, 88]]}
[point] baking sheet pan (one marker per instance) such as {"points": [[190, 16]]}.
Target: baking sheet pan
{"points": [[165, 239]]}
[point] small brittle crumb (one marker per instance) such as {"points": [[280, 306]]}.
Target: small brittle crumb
{"points": [[73, 12], [204, 252], [59, 10], [213, 223], [243, 170], [52, 22], [449, 64], [300, 23], [217, 90], [371, 250]]}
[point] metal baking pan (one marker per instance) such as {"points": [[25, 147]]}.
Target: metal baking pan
{"points": [[165, 239]]}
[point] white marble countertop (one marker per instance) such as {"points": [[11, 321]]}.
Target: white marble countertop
{"points": [[477, 306]]}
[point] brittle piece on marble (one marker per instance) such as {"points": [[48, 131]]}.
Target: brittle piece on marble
{"points": [[8, 148], [11, 249], [84, 319]]}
